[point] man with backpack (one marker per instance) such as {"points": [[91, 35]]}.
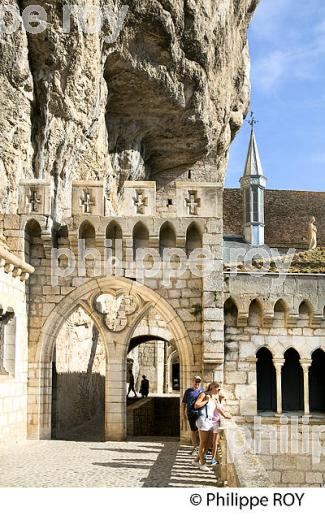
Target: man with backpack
{"points": [[188, 402]]}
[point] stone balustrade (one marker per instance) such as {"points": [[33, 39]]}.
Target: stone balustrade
{"points": [[13, 265]]}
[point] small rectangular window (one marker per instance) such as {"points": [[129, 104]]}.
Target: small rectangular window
{"points": [[248, 205], [255, 204], [261, 204]]}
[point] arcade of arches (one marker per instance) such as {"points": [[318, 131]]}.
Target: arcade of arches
{"points": [[280, 352]]}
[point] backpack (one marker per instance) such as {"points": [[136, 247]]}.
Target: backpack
{"points": [[191, 410]]}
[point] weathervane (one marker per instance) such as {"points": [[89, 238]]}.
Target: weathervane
{"points": [[252, 121]]}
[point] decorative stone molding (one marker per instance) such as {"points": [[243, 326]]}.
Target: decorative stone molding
{"points": [[141, 202], [196, 199], [116, 309], [192, 202], [88, 198], [139, 198], [34, 197]]}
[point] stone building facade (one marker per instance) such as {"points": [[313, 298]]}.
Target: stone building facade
{"points": [[14, 274], [73, 271], [94, 298]]}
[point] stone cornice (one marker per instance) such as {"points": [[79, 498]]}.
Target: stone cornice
{"points": [[13, 265]]}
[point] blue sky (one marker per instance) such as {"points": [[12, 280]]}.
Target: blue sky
{"points": [[287, 43]]}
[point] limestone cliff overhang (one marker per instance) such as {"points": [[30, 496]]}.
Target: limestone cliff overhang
{"points": [[13, 265]]}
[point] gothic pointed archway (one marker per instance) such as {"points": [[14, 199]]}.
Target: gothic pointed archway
{"points": [[115, 341]]}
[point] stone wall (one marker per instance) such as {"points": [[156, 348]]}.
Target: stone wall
{"points": [[192, 305], [290, 457], [274, 452], [14, 354], [240, 466], [249, 329], [149, 361], [77, 399], [185, 293], [154, 416], [79, 375], [285, 210]]}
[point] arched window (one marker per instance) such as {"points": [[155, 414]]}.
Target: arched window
{"points": [[255, 315], [193, 238], [34, 248], [292, 382], [87, 233], [230, 313], [266, 381], [114, 234], [167, 237], [317, 382], [140, 238]]}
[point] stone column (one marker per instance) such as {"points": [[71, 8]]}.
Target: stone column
{"points": [[39, 401], [160, 347], [305, 364], [278, 364], [130, 271], [100, 246], [115, 398]]}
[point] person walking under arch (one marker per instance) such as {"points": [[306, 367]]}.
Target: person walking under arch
{"points": [[144, 388], [131, 384]]}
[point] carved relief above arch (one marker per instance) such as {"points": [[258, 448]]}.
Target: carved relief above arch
{"points": [[116, 307]]}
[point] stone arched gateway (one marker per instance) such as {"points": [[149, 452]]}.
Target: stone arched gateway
{"points": [[116, 332]]}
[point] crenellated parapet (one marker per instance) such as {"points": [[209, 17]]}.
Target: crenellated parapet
{"points": [[138, 198]]}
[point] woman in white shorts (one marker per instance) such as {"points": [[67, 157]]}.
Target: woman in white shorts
{"points": [[218, 412], [207, 403]]}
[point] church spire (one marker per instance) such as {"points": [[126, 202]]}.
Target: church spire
{"points": [[253, 166], [253, 184]]}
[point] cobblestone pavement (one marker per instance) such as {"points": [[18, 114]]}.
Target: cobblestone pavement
{"points": [[142, 462]]}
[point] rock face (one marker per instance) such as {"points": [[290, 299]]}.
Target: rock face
{"points": [[171, 90]]}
